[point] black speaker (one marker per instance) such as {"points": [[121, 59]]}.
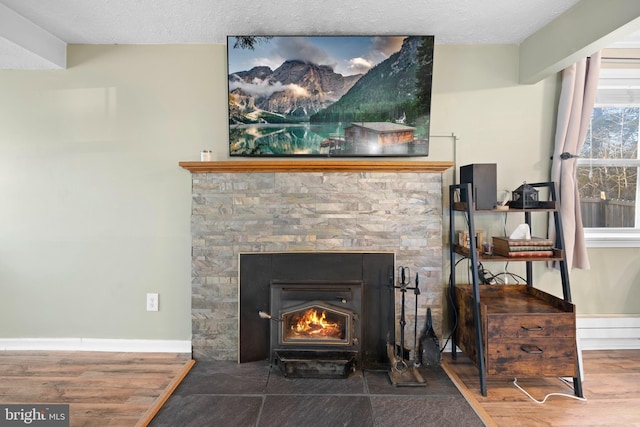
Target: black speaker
{"points": [[484, 187]]}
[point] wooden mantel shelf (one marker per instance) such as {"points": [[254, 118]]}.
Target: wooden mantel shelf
{"points": [[316, 166]]}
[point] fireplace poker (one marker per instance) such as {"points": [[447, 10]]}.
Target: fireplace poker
{"points": [[416, 291], [404, 273], [416, 356]]}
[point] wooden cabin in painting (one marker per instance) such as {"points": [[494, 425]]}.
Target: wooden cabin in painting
{"points": [[377, 138], [380, 134]]}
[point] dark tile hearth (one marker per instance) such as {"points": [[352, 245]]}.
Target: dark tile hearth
{"points": [[228, 394]]}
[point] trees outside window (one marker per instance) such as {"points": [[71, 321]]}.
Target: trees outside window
{"points": [[608, 168]]}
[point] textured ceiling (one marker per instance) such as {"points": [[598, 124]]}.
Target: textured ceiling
{"points": [[210, 21]]}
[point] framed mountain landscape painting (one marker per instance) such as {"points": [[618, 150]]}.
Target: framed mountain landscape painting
{"points": [[329, 96]]}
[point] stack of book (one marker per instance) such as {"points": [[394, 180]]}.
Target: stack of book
{"points": [[523, 248]]}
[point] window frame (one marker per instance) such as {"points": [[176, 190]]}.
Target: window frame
{"points": [[610, 237]]}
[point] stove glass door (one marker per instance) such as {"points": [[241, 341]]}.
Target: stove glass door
{"points": [[315, 324]]}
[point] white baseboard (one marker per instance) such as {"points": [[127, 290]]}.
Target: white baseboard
{"points": [[608, 332], [96, 344], [594, 333]]}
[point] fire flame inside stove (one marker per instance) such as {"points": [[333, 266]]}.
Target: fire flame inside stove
{"points": [[315, 324]]}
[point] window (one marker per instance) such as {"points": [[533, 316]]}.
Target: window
{"points": [[609, 162]]}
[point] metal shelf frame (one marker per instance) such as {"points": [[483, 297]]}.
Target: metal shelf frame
{"points": [[465, 190]]}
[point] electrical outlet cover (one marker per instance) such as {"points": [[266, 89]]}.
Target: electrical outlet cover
{"points": [[152, 302]]}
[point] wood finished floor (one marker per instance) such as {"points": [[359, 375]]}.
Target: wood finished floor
{"points": [[101, 388], [611, 386]]}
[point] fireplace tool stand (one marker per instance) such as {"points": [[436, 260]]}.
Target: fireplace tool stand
{"points": [[403, 373]]}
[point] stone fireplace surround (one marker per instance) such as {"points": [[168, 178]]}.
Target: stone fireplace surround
{"points": [[308, 206]]}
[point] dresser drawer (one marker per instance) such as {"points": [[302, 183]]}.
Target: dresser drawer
{"points": [[533, 357], [507, 326]]}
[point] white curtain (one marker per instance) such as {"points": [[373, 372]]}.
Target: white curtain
{"points": [[579, 86]]}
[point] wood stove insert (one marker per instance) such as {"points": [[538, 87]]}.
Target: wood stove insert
{"points": [[368, 306], [317, 332]]}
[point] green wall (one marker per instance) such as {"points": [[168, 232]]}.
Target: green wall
{"points": [[95, 211]]}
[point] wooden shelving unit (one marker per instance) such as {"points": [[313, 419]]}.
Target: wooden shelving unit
{"points": [[512, 330]]}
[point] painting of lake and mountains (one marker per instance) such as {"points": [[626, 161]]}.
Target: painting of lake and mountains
{"points": [[329, 96]]}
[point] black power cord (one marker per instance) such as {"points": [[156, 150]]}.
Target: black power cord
{"points": [[485, 276]]}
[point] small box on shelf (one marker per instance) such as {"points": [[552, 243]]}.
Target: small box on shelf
{"points": [[464, 241]]}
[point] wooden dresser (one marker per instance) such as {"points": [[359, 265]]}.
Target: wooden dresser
{"points": [[526, 332]]}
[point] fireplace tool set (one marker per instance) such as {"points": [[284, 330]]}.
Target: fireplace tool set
{"points": [[405, 373]]}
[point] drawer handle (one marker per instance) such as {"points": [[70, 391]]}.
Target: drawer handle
{"points": [[532, 328], [531, 349]]}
